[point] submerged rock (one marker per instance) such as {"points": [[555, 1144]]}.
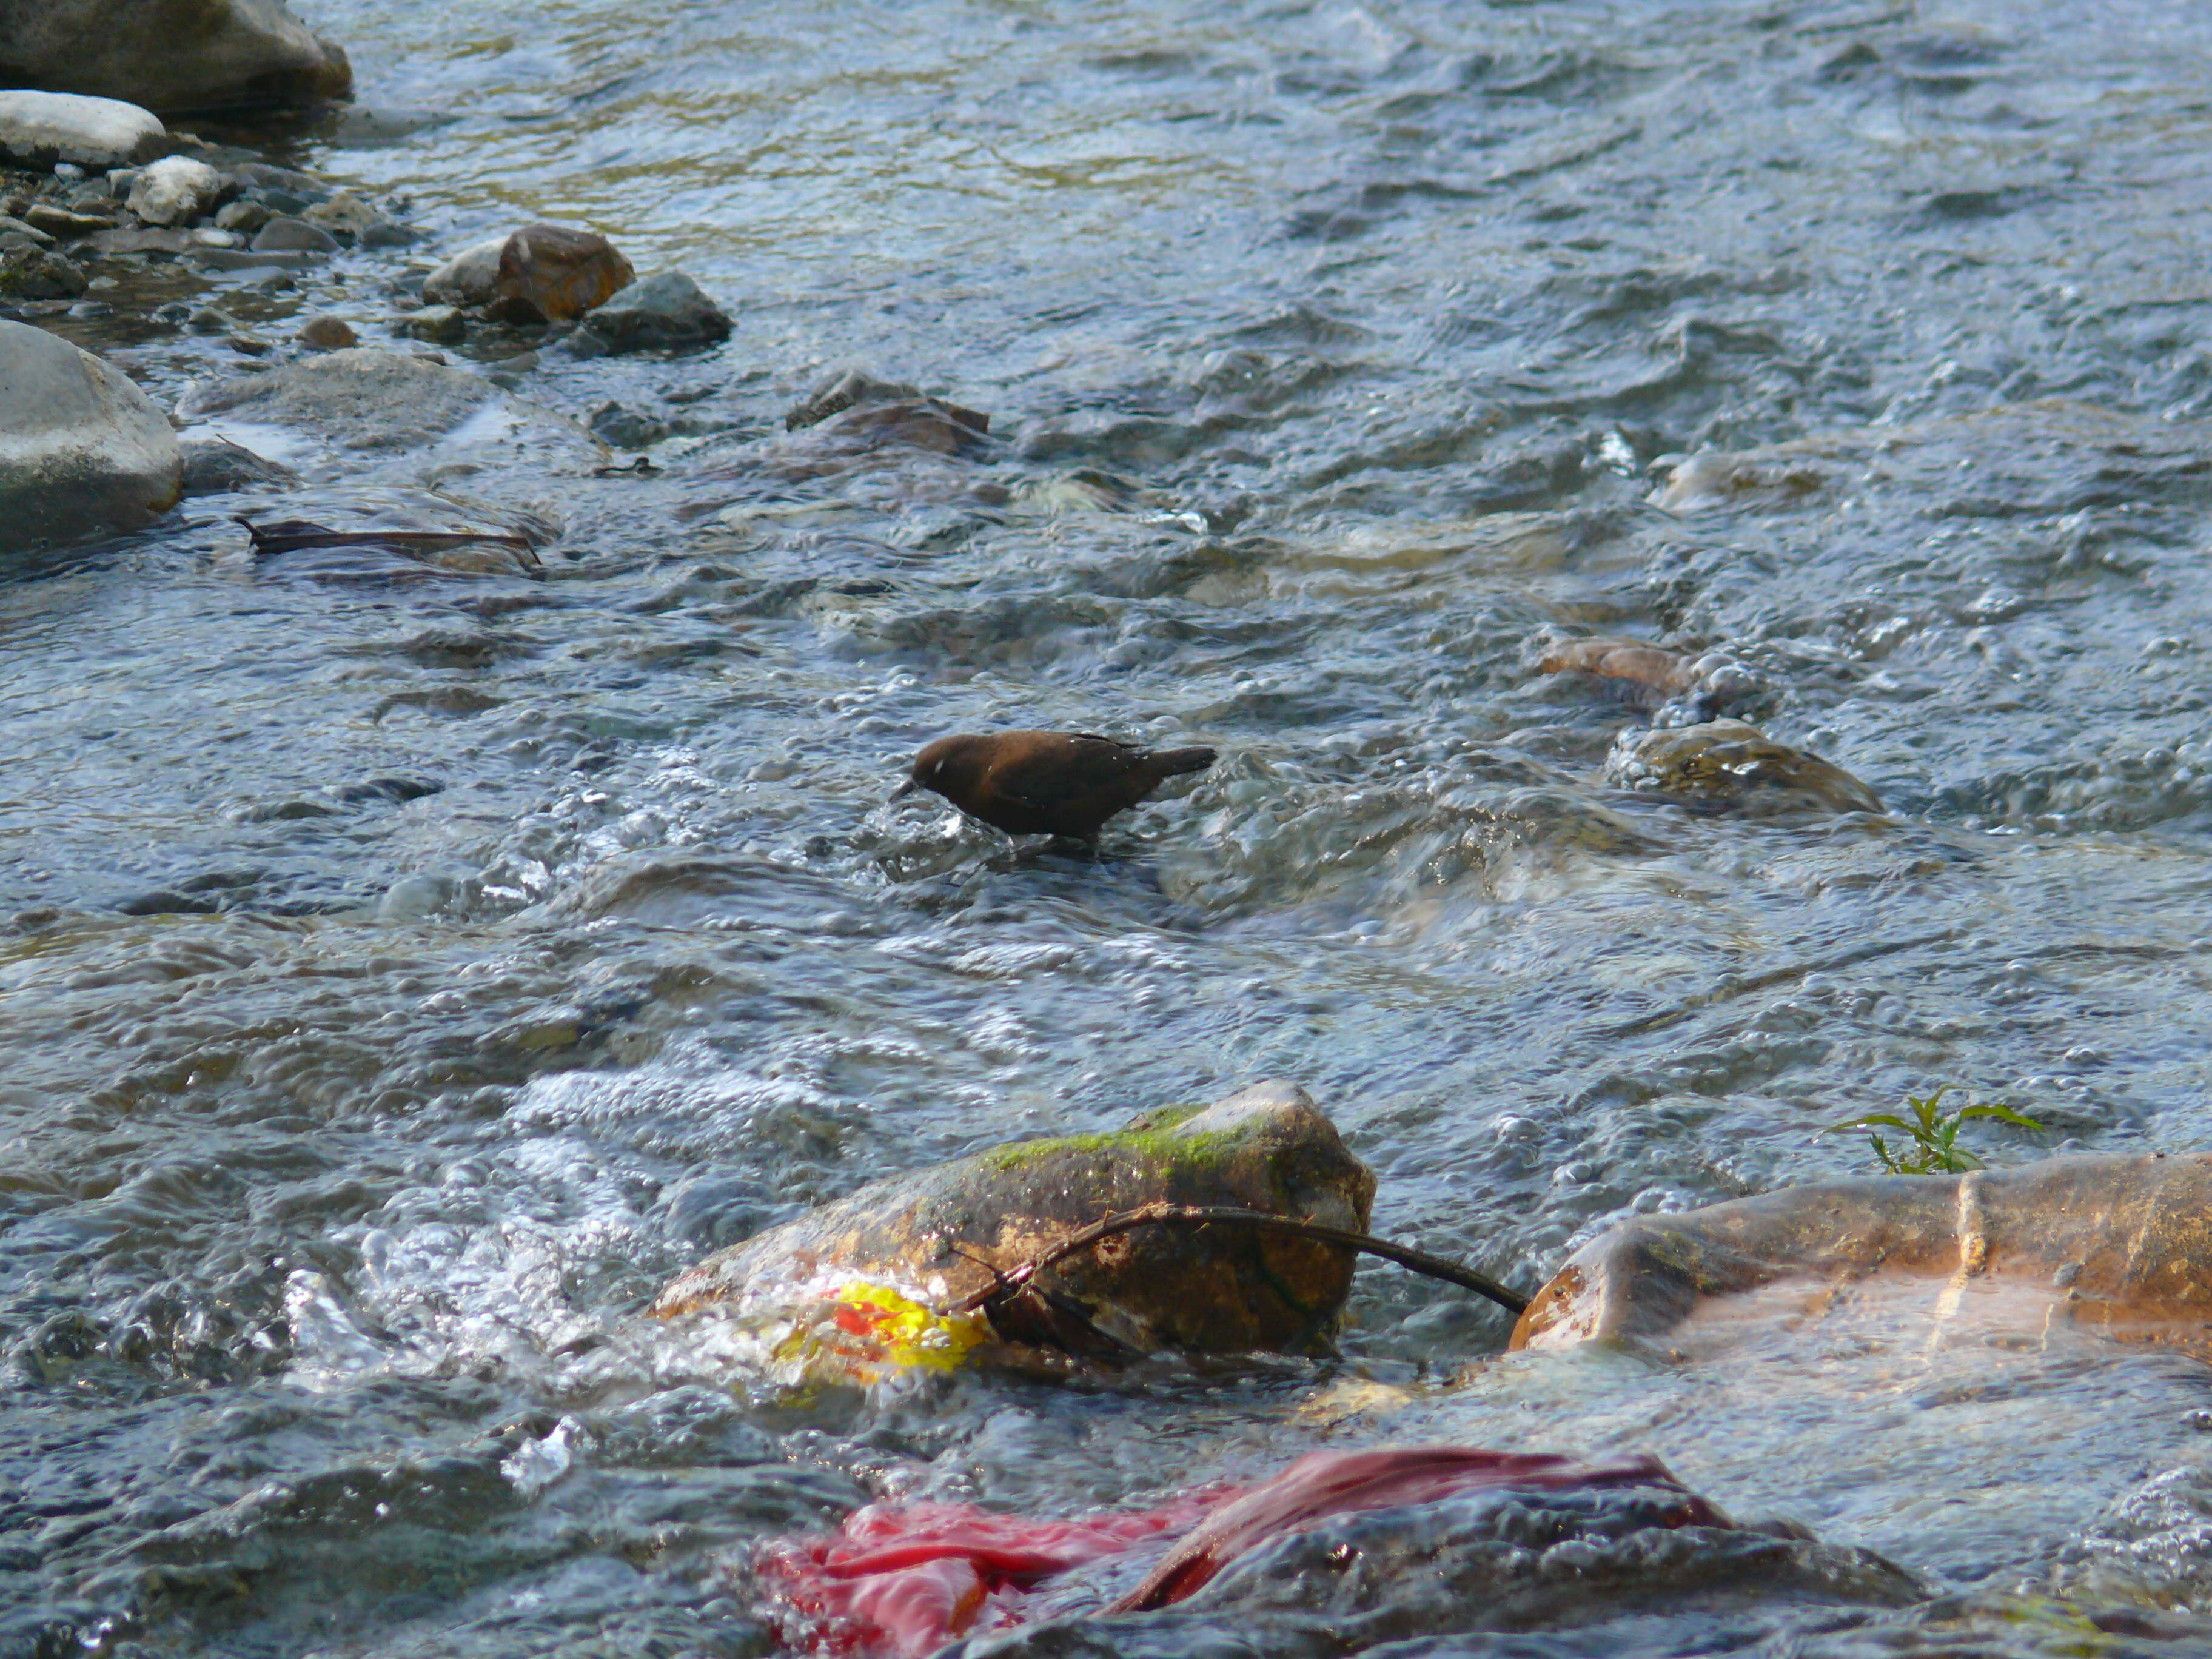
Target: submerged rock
{"points": [[1342, 1553], [365, 400], [171, 55], [1634, 661], [38, 129], [81, 448], [1734, 764], [2119, 1247], [175, 192], [901, 1247], [538, 274]]}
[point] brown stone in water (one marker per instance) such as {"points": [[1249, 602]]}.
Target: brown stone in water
{"points": [[2119, 1247], [1732, 764], [538, 274], [1047, 783], [327, 334], [1219, 1289], [1633, 661]]}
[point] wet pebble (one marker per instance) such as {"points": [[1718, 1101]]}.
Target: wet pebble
{"points": [[326, 334], [664, 313]]}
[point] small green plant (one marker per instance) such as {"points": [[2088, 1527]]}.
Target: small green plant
{"points": [[1933, 1149]]}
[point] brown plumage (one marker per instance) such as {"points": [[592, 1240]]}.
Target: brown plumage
{"points": [[1047, 783]]}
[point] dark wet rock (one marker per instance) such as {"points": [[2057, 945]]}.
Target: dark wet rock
{"points": [[16, 233], [211, 320], [171, 55], [864, 408], [214, 466], [933, 1237], [38, 129], [81, 448], [366, 400], [293, 236], [538, 274], [326, 334], [176, 192], [441, 324], [37, 273], [663, 313], [2117, 1247], [1048, 783], [1730, 764]]}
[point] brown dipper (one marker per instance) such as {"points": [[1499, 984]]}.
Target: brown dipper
{"points": [[1046, 783]]}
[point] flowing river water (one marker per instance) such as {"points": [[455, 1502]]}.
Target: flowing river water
{"points": [[402, 981]]}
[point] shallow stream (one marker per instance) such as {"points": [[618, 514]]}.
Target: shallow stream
{"points": [[405, 980]]}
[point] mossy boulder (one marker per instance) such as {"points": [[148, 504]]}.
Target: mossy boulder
{"points": [[2117, 1246], [937, 1234]]}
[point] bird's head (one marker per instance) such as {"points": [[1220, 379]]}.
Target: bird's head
{"points": [[946, 768]]}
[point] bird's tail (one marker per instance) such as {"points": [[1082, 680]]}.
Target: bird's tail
{"points": [[1174, 762]]}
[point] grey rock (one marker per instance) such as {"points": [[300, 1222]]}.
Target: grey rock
{"points": [[626, 428], [81, 448], [293, 236], [171, 55], [37, 273], [216, 466], [66, 223], [664, 313], [39, 129], [350, 219], [212, 320], [26, 235], [175, 192], [441, 324], [245, 217], [365, 400]]}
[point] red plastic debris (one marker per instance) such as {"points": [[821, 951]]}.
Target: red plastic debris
{"points": [[898, 1581], [903, 1579]]}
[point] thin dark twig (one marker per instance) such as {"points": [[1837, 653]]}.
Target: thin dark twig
{"points": [[1187, 1215]]}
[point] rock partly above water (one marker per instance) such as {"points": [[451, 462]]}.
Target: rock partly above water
{"points": [[81, 448], [2119, 1247], [664, 313], [538, 274], [214, 466], [175, 192], [171, 55], [935, 1237], [1730, 764], [38, 129]]}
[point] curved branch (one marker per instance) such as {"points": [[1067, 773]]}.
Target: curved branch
{"points": [[1189, 1215]]}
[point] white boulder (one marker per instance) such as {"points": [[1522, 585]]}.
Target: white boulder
{"points": [[82, 449], [38, 129], [175, 192]]}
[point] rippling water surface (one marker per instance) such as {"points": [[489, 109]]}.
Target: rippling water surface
{"points": [[403, 981]]}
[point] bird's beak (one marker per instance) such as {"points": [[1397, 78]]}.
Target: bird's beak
{"points": [[904, 790]]}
